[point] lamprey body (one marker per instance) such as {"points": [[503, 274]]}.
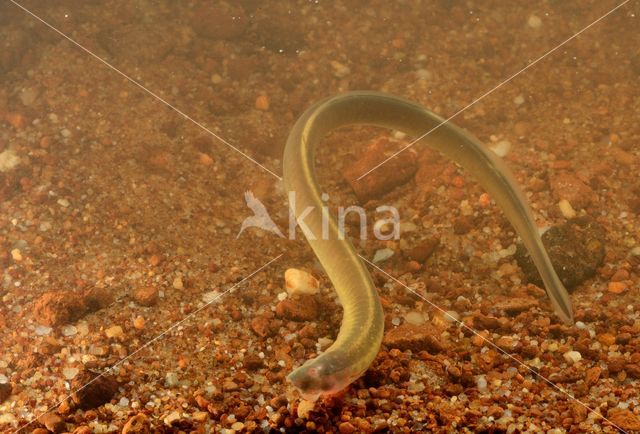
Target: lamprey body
{"points": [[360, 335]]}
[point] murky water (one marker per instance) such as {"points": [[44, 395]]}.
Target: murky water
{"points": [[145, 231]]}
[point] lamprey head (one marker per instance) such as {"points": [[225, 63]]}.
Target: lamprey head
{"points": [[324, 375]]}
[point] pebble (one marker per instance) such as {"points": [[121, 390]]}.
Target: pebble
{"points": [[146, 295], [576, 249], [201, 416], [53, 422], [423, 74], [340, 70], [114, 332], [481, 383], [177, 283], [534, 22], [616, 287], [262, 103], [572, 356], [93, 390], [414, 338], [171, 418], [139, 322], [392, 174], [571, 188], [304, 408], [566, 209], [205, 159], [211, 297], [300, 282], [41, 330], [28, 96], [16, 255], [16, 120], [138, 424], [304, 308], [519, 100], [415, 318], [237, 426], [625, 419], [70, 373], [382, 255], [501, 149], [8, 160], [171, 379], [69, 330], [65, 132], [346, 428], [422, 250]]}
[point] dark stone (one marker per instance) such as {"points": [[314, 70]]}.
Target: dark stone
{"points": [[5, 391], [576, 249], [91, 389], [423, 249]]}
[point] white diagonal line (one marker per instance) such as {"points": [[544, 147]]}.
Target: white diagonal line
{"points": [[149, 342], [145, 89], [492, 90], [489, 342]]}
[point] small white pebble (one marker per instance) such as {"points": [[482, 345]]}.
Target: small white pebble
{"points": [[63, 202], [481, 383], [171, 379], [572, 356], [300, 282], [282, 296], [69, 330], [211, 296], [42, 330], [382, 255], [415, 318], [519, 100], [70, 373], [534, 22], [566, 209], [66, 133], [501, 148], [324, 343]]}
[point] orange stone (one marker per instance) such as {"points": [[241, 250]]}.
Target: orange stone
{"points": [[616, 287], [262, 102], [16, 120]]}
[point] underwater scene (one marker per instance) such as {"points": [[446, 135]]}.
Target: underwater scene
{"points": [[310, 216]]}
